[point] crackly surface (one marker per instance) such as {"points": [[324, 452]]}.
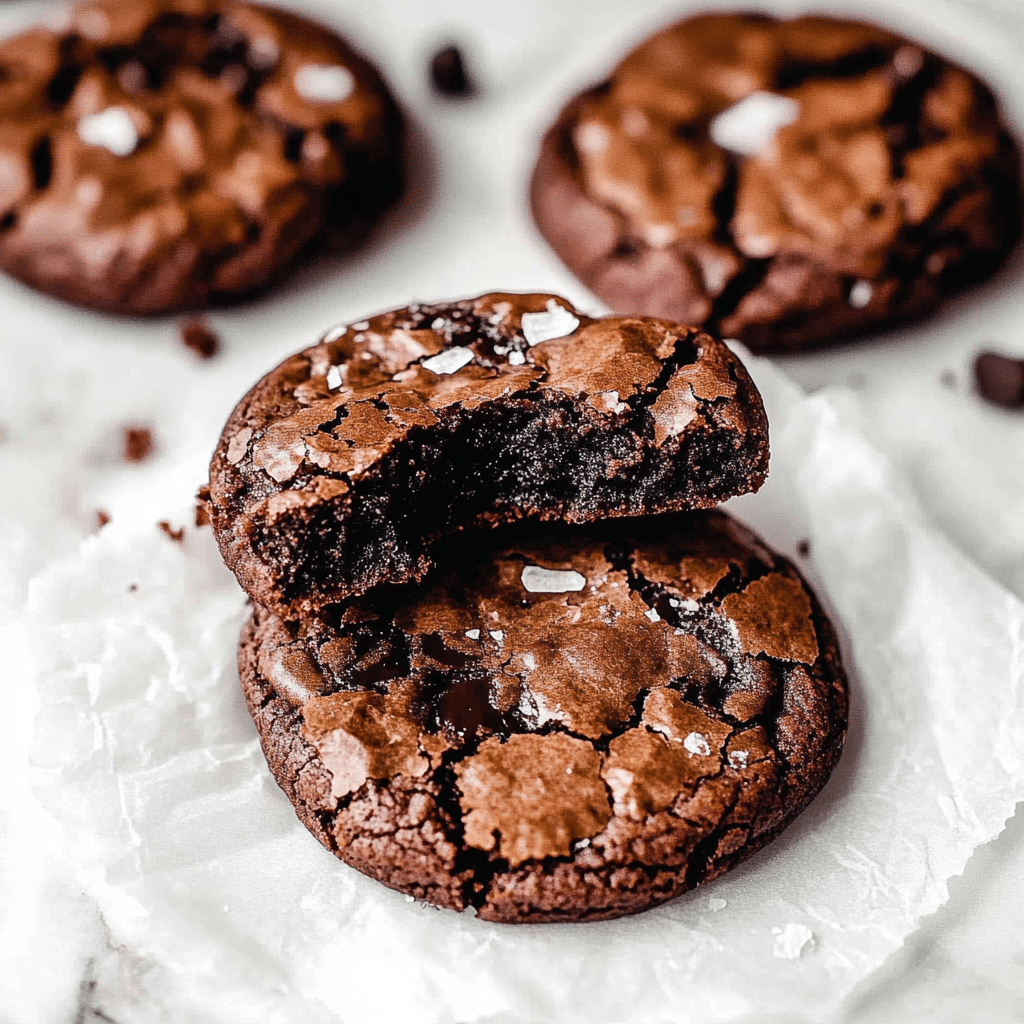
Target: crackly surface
{"points": [[895, 185], [578, 724], [156, 154], [339, 468]]}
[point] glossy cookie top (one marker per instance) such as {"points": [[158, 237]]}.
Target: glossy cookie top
{"points": [[340, 468], [162, 153], [784, 182], [560, 707]]}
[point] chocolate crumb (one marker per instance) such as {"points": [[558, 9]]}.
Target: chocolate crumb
{"points": [[197, 336], [132, 587], [947, 379], [138, 444], [176, 535], [448, 73], [1000, 379], [202, 512], [803, 548], [102, 518]]}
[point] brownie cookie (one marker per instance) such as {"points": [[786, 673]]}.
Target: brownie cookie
{"points": [[158, 154], [575, 725], [341, 467], [787, 183]]}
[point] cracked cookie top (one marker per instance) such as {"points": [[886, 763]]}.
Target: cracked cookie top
{"points": [[554, 701], [164, 153], [779, 181], [342, 466]]}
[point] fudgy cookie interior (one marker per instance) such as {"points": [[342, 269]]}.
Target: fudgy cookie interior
{"points": [[342, 467]]}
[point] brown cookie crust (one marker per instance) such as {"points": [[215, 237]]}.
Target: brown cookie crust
{"points": [[344, 464], [161, 154], [577, 725], [896, 184]]}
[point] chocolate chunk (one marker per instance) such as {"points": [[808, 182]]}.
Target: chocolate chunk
{"points": [[342, 467], [197, 336], [785, 182], [166, 154], [138, 444], [1000, 379], [565, 753], [448, 73]]}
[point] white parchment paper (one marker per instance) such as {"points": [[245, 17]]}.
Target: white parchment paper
{"points": [[143, 751]]}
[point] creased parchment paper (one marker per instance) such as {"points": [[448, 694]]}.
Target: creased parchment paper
{"points": [[143, 752]]}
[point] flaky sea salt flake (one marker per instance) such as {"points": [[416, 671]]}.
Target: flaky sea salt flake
{"points": [[748, 126], [791, 941], [860, 294], [113, 129], [450, 360], [556, 322], [324, 83], [538, 580], [697, 743]]}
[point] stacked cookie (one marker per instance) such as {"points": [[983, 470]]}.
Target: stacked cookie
{"points": [[498, 659]]}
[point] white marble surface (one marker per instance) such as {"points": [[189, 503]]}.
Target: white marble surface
{"points": [[70, 380]]}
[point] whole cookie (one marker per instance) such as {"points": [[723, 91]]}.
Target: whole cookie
{"points": [[340, 469], [787, 183], [574, 726], [157, 154]]}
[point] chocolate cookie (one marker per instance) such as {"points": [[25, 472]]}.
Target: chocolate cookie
{"points": [[787, 183], [157, 154], [577, 725], [341, 467]]}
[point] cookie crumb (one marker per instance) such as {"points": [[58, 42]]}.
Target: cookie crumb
{"points": [[448, 73], [197, 336], [202, 510], [102, 518], [803, 547], [176, 535], [138, 444], [1000, 379]]}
